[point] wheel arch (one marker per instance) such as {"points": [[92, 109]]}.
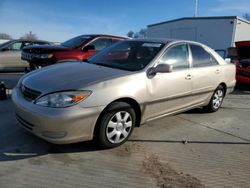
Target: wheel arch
{"points": [[223, 84], [132, 102]]}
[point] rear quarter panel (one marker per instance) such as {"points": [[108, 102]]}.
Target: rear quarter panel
{"points": [[228, 76], [228, 71]]}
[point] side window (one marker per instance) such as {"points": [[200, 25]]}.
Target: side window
{"points": [[115, 40], [201, 57], [176, 56], [26, 44], [101, 43], [15, 46]]}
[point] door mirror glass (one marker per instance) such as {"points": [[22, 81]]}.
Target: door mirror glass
{"points": [[88, 48], [163, 68], [160, 68]]}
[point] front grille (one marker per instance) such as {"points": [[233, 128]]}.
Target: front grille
{"points": [[28, 93]]}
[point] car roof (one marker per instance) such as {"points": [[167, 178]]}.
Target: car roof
{"points": [[105, 35], [165, 40]]}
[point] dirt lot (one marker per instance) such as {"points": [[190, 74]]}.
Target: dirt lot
{"points": [[192, 149]]}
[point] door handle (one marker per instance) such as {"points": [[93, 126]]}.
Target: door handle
{"points": [[217, 71], [189, 77]]}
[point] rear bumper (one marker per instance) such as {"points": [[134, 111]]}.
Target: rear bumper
{"points": [[56, 125]]}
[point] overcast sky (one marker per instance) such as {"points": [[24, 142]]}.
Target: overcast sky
{"points": [[58, 20]]}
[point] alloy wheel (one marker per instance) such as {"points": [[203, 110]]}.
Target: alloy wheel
{"points": [[119, 127], [217, 99]]}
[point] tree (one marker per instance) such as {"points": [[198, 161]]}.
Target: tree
{"points": [[5, 36], [143, 33], [136, 35], [130, 34], [29, 36], [246, 16]]}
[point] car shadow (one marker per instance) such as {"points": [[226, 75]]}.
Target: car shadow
{"points": [[188, 142], [241, 89], [22, 145], [195, 111]]}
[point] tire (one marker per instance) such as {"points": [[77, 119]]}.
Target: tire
{"points": [[115, 125], [216, 100], [33, 66]]}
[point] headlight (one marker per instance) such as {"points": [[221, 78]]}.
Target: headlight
{"points": [[62, 99], [46, 56]]}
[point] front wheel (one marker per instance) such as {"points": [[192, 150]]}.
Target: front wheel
{"points": [[115, 125], [216, 100]]}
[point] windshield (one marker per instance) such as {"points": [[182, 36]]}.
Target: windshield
{"points": [[75, 42], [127, 55]]}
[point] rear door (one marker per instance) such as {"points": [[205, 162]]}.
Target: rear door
{"points": [[206, 72]]}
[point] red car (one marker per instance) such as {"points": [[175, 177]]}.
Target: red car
{"points": [[243, 62], [79, 48]]}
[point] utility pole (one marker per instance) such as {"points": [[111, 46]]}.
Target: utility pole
{"points": [[196, 8]]}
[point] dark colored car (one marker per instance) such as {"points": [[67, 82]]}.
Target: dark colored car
{"points": [[79, 48], [10, 54], [243, 62]]}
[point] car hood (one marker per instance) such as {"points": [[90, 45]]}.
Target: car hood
{"points": [[45, 48], [69, 76]]}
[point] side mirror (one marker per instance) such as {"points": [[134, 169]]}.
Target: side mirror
{"points": [[88, 48], [160, 68], [228, 60]]}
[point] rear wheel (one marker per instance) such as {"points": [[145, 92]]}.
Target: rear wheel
{"points": [[216, 100], [115, 125]]}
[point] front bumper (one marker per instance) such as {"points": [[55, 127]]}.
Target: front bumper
{"points": [[56, 125]]}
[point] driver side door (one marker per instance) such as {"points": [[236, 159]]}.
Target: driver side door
{"points": [[171, 92]]}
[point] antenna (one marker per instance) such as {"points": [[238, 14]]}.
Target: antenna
{"points": [[196, 8]]}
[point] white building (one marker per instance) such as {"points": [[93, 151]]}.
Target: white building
{"points": [[219, 33]]}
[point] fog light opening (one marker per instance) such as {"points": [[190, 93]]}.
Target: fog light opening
{"points": [[54, 135]]}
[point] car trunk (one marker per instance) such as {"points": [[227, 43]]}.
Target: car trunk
{"points": [[243, 64], [243, 51]]}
